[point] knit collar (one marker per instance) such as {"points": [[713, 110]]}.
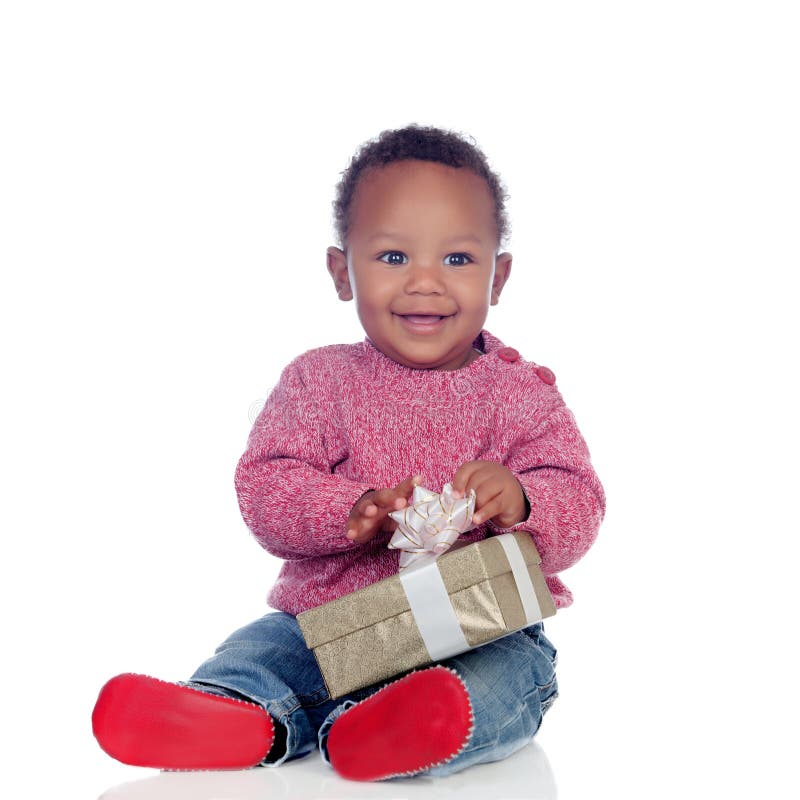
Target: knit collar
{"points": [[484, 341]]}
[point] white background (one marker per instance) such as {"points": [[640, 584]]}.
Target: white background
{"points": [[166, 175]]}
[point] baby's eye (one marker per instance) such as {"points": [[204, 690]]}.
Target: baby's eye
{"points": [[392, 257], [460, 259]]}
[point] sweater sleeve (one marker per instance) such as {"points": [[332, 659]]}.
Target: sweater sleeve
{"points": [[566, 498], [288, 495]]}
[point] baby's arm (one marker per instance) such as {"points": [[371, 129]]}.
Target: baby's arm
{"points": [[288, 495], [567, 502]]}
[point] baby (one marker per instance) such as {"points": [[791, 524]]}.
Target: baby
{"points": [[429, 397]]}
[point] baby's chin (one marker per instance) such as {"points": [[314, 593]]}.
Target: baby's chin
{"points": [[439, 361]]}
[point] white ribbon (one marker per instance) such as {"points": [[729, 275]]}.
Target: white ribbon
{"points": [[433, 612], [519, 569]]}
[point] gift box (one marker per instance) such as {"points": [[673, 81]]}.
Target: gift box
{"points": [[430, 611]]}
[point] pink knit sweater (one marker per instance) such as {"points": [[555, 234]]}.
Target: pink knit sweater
{"points": [[346, 418]]}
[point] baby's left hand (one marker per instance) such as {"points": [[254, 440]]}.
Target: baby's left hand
{"points": [[498, 493]]}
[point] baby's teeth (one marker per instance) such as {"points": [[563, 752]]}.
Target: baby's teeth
{"points": [[422, 318]]}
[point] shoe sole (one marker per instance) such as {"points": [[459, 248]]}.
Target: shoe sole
{"points": [[421, 721], [146, 722]]}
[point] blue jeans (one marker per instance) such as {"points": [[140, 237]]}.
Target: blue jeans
{"points": [[511, 683]]}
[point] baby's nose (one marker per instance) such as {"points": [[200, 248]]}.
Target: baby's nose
{"points": [[424, 275]]}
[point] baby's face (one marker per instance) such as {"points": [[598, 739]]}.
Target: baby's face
{"points": [[422, 241]]}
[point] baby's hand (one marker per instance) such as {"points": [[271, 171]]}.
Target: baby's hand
{"points": [[498, 493], [370, 514]]}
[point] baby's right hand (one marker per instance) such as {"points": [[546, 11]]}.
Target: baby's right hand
{"points": [[370, 514]]}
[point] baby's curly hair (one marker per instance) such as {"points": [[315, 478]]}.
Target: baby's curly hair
{"points": [[424, 144]]}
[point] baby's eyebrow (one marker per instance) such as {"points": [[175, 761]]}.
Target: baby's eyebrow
{"points": [[469, 237], [463, 238], [384, 235]]}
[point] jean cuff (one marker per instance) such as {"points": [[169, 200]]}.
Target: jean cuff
{"points": [[325, 728]]}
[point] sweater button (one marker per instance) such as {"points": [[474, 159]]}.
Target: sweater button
{"points": [[508, 354], [546, 375]]}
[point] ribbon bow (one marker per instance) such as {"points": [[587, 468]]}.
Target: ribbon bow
{"points": [[431, 523]]}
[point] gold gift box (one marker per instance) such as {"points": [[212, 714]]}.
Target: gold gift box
{"points": [[371, 635]]}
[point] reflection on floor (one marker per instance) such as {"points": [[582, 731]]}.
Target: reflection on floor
{"points": [[526, 774]]}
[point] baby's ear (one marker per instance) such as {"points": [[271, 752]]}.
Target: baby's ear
{"points": [[337, 267], [502, 271]]}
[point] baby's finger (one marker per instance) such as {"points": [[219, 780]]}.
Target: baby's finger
{"points": [[367, 505], [395, 498], [362, 516], [465, 475], [406, 487], [388, 500], [362, 530], [409, 483], [488, 510], [486, 488]]}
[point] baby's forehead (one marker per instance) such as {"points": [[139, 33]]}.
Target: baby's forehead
{"points": [[419, 209], [413, 193]]}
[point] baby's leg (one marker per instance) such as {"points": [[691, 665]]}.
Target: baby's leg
{"points": [[512, 683], [253, 702], [480, 706], [268, 662]]}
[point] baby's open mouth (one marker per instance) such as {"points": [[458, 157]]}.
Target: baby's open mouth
{"points": [[423, 319]]}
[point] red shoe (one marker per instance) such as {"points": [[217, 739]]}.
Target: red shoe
{"points": [[150, 723], [417, 722]]}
